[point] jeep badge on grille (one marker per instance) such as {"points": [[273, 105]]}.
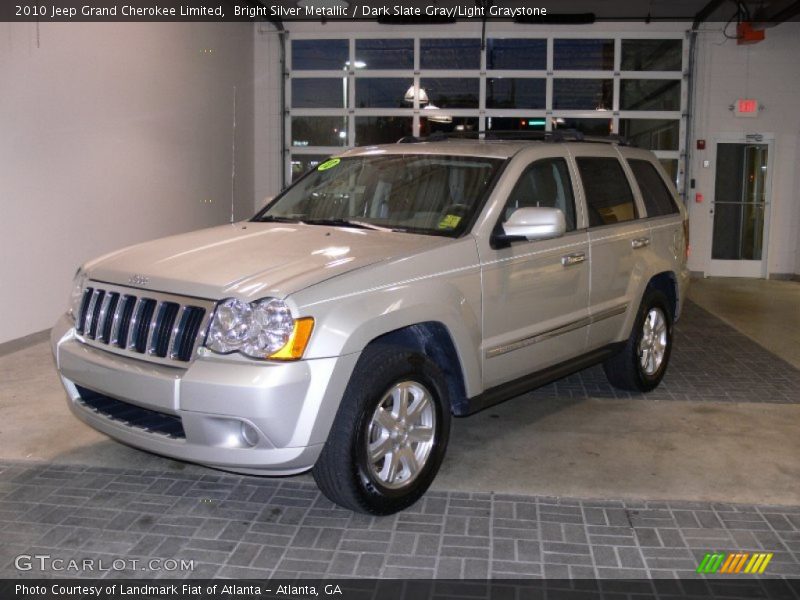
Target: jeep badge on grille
{"points": [[138, 280]]}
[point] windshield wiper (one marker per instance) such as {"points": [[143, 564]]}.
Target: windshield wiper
{"points": [[345, 223]]}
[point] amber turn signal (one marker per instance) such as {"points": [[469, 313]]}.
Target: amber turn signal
{"points": [[295, 346]]}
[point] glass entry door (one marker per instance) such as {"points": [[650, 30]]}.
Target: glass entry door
{"points": [[740, 210]]}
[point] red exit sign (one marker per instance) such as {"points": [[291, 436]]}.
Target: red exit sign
{"points": [[746, 107]]}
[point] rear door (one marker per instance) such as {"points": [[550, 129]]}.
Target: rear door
{"points": [[617, 239]]}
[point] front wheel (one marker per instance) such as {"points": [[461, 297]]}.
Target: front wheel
{"points": [[641, 364], [390, 433]]}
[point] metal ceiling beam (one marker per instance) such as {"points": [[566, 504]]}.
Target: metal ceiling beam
{"points": [[705, 12], [763, 19]]}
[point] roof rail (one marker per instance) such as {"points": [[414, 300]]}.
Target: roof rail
{"points": [[559, 135]]}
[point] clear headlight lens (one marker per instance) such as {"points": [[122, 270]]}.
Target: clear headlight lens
{"points": [[76, 296], [261, 329]]}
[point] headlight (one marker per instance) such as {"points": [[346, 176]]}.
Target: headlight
{"points": [[261, 329], [76, 297]]}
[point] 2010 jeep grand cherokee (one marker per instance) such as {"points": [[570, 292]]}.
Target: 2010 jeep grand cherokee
{"points": [[388, 289]]}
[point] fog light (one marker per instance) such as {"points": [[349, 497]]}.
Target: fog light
{"points": [[249, 434]]}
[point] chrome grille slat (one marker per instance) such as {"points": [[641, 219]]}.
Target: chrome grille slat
{"points": [[81, 320], [130, 343], [177, 328], [94, 321], [125, 321], [150, 326], [113, 336], [87, 320], [106, 310], [141, 333], [158, 313]]}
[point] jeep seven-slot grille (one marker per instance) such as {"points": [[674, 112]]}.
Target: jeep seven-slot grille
{"points": [[138, 324]]}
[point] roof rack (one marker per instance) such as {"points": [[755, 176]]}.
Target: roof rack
{"points": [[559, 135]]}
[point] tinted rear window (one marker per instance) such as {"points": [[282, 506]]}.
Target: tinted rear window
{"points": [[608, 196], [657, 198]]}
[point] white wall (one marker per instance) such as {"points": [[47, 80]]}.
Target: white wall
{"points": [[767, 71], [267, 82], [112, 134]]}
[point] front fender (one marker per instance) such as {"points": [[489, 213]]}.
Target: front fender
{"points": [[348, 324]]}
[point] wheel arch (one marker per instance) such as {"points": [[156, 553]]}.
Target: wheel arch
{"points": [[432, 339], [667, 283]]}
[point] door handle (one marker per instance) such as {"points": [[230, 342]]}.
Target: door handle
{"points": [[573, 259], [642, 242]]}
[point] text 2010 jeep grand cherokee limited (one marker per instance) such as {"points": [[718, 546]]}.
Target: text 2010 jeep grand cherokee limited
{"points": [[388, 289]]}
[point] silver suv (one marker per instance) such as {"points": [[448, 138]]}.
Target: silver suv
{"points": [[389, 288]]}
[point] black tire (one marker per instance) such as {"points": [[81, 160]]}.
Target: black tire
{"points": [[343, 471], [625, 370]]}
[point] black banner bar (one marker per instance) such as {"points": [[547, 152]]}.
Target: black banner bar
{"points": [[725, 588], [412, 12]]}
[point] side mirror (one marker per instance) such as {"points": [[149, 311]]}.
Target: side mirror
{"points": [[535, 223]]}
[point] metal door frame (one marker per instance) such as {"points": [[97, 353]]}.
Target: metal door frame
{"points": [[741, 268]]}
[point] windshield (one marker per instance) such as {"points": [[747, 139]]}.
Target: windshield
{"points": [[417, 193]]}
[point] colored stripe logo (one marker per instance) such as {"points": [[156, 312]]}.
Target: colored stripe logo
{"points": [[734, 562]]}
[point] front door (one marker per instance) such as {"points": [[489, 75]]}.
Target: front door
{"points": [[740, 209], [536, 293]]}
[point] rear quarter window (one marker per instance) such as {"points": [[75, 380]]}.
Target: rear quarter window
{"points": [[608, 195], [658, 200]]}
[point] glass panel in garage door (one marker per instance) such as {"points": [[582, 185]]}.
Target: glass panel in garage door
{"points": [[450, 92], [319, 131], [583, 94], [384, 54], [444, 123], [436, 53], [383, 92], [522, 54], [382, 130], [515, 123], [652, 55], [319, 92], [580, 55], [587, 126], [319, 54], [650, 94], [651, 134], [514, 92]]}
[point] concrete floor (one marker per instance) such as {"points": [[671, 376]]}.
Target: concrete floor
{"points": [[581, 446], [765, 311]]}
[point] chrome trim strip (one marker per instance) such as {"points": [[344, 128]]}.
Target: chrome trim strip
{"points": [[609, 312], [551, 333]]}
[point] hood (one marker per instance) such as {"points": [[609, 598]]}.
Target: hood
{"points": [[253, 260]]}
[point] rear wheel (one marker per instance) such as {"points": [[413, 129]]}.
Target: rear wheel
{"points": [[641, 364], [390, 433]]}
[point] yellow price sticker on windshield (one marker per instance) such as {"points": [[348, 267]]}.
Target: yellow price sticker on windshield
{"points": [[329, 164], [449, 222]]}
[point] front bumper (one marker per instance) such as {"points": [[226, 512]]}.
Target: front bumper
{"points": [[287, 408]]}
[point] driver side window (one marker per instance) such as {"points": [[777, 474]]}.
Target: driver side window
{"points": [[544, 183]]}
